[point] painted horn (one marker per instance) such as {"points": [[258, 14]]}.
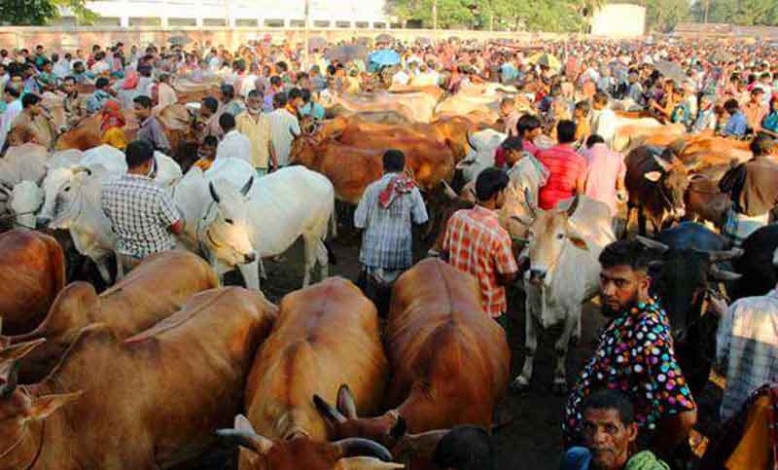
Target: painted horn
{"points": [[358, 447], [213, 192]]}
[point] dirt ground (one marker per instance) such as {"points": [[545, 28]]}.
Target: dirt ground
{"points": [[532, 439]]}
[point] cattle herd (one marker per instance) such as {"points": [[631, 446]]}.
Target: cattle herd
{"points": [[167, 362]]}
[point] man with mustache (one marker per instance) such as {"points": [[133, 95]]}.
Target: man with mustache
{"points": [[635, 356]]}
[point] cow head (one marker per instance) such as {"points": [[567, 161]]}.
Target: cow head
{"points": [[227, 229], [59, 191], [672, 180], [22, 414], [483, 145], [344, 421], [304, 151], [302, 452], [549, 235], [26, 199]]}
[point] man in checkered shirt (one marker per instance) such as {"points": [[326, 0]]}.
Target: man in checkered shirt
{"points": [[143, 215], [476, 243]]}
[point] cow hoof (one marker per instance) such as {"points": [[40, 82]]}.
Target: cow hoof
{"points": [[559, 388], [520, 384]]}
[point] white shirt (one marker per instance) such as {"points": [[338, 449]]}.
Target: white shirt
{"points": [[604, 124], [61, 69], [400, 78], [7, 118], [234, 145], [283, 128]]}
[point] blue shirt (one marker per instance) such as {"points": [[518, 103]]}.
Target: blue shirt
{"points": [[771, 122], [736, 125], [313, 109]]}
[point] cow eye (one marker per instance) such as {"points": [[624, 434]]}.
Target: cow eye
{"points": [[560, 236], [67, 189], [229, 221]]}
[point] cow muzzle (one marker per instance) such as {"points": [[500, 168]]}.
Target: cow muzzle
{"points": [[43, 221], [537, 276]]}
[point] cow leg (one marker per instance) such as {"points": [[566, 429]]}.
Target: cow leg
{"points": [[641, 222], [323, 258], [570, 328], [530, 342], [250, 273], [334, 222], [105, 273]]}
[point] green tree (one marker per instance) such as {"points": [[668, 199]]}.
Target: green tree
{"points": [[40, 12], [663, 15], [744, 12]]}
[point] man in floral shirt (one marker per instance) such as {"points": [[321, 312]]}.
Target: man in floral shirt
{"points": [[635, 355]]}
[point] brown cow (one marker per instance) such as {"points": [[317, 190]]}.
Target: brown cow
{"points": [[450, 361], [150, 293], [152, 401], [32, 272], [325, 335]]}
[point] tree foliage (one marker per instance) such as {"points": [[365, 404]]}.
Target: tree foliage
{"points": [[739, 12], [40, 12]]}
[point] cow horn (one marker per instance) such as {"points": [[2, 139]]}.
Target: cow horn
{"points": [[726, 255], [84, 169], [247, 187], [10, 370], [470, 142], [573, 205], [366, 463], [722, 275], [330, 413], [652, 244], [358, 447], [664, 164], [214, 194], [243, 435], [346, 403], [449, 191], [18, 351]]}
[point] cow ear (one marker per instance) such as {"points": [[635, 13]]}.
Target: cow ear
{"points": [[653, 176], [43, 406], [576, 240]]}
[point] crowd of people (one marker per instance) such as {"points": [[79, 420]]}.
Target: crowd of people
{"points": [[631, 406]]}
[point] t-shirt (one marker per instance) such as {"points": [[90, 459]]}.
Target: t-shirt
{"points": [[565, 168]]}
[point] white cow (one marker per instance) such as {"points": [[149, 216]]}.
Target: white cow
{"points": [[238, 227], [483, 145], [564, 246]]}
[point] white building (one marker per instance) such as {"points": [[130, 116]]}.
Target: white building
{"points": [[619, 20], [239, 13]]}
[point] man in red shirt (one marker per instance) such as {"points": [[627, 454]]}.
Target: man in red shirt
{"points": [[567, 169], [476, 243]]}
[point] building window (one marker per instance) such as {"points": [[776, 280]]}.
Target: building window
{"points": [[297, 23], [321, 24], [214, 22], [246, 23], [274, 23], [108, 21], [182, 21], [396, 25], [145, 21], [379, 25], [362, 24], [343, 24]]}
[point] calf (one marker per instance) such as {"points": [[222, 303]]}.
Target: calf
{"points": [[150, 402]]}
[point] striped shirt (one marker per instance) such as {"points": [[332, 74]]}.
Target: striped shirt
{"points": [[387, 242], [565, 168], [478, 245], [747, 348]]}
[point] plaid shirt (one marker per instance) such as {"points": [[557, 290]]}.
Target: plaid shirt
{"points": [[747, 348], [388, 240], [477, 244], [141, 213]]}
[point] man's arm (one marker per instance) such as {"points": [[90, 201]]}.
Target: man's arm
{"points": [[160, 139], [672, 431]]}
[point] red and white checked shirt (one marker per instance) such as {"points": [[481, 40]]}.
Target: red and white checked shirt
{"points": [[477, 244]]}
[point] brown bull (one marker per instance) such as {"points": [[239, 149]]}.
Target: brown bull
{"points": [[325, 335], [150, 293], [449, 360], [150, 402], [350, 169], [32, 272]]}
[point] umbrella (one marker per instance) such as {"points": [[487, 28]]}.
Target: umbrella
{"points": [[424, 41], [347, 53], [670, 70], [384, 38], [317, 42], [382, 58], [179, 40], [546, 59]]}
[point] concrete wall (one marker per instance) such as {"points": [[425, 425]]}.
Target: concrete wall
{"points": [[619, 20], [70, 39]]}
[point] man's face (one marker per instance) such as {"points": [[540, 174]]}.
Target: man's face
{"points": [[756, 97], [16, 80], [141, 112], [68, 86], [35, 109], [79, 68], [607, 438], [254, 103], [207, 151], [620, 288]]}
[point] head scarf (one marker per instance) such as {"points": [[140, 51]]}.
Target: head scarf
{"points": [[111, 116], [130, 81]]}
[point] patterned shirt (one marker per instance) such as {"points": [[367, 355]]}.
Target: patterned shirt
{"points": [[151, 131], [388, 239], [635, 356], [747, 348], [141, 213], [477, 244]]}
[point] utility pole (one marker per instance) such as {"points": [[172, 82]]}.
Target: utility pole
{"points": [[707, 10], [306, 34], [434, 14]]}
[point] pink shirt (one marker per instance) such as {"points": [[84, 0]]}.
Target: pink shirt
{"points": [[605, 168], [565, 168]]}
